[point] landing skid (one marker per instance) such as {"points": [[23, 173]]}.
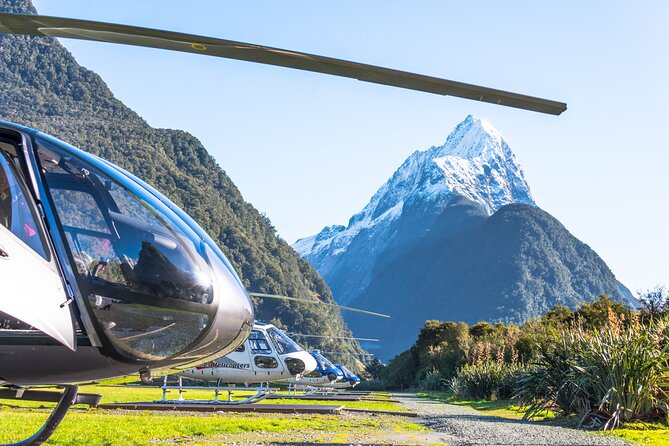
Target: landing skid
{"points": [[262, 392], [306, 390], [65, 400]]}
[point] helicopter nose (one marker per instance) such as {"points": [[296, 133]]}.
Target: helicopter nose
{"points": [[300, 362], [234, 318], [310, 363], [295, 366]]}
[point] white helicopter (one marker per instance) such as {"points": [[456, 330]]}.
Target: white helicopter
{"points": [[267, 355], [100, 274]]}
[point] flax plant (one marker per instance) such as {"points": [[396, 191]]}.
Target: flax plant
{"points": [[610, 376]]}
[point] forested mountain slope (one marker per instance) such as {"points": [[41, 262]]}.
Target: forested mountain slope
{"points": [[42, 86]]}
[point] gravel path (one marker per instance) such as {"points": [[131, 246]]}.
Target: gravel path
{"points": [[459, 426]]}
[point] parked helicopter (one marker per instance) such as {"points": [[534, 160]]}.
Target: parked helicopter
{"points": [[350, 379], [267, 355], [325, 373], [102, 275]]}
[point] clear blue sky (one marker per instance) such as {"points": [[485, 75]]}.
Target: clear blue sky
{"points": [[310, 150]]}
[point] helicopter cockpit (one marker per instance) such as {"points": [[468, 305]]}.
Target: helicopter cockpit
{"points": [[132, 260], [325, 368], [283, 343], [150, 286]]}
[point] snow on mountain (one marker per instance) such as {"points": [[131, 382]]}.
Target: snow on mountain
{"points": [[475, 162]]}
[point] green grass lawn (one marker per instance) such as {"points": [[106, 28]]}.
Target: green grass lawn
{"points": [[499, 408], [132, 393], [82, 425], [104, 427], [654, 434]]}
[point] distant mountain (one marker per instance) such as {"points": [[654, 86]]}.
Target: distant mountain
{"points": [[508, 267], [42, 86], [455, 235], [475, 162]]}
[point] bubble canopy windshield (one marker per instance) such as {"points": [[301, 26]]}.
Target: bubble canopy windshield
{"points": [[153, 284], [325, 365]]}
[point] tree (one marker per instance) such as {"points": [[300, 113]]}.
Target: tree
{"points": [[654, 302]]}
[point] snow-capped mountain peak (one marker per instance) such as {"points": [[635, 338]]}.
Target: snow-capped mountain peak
{"points": [[473, 138], [474, 162]]}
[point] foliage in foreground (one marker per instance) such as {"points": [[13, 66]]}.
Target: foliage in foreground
{"points": [[608, 377], [605, 364], [445, 347], [485, 380]]}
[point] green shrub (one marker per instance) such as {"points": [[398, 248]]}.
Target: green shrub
{"points": [[610, 376], [485, 380], [372, 385], [432, 380]]}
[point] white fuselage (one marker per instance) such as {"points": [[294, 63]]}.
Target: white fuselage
{"points": [[258, 360], [341, 385], [311, 381]]}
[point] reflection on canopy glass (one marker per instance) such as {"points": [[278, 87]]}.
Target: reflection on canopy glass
{"points": [[282, 342], [148, 282], [347, 372], [16, 212], [323, 363]]}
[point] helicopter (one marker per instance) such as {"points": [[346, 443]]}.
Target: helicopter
{"points": [[102, 275], [350, 379], [268, 354], [324, 374]]}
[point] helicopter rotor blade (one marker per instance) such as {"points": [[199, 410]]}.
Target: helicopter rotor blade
{"points": [[317, 302], [334, 337], [132, 35], [349, 353]]}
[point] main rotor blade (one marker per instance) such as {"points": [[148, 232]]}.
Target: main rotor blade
{"points": [[317, 302], [334, 337], [132, 35], [347, 353]]}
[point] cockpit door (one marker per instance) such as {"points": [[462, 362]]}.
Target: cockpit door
{"points": [[31, 291]]}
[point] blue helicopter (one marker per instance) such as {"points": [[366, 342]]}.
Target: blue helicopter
{"points": [[350, 379]]}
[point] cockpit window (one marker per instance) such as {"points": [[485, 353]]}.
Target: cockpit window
{"points": [[147, 280], [258, 343], [17, 212], [282, 342], [323, 363], [347, 372]]}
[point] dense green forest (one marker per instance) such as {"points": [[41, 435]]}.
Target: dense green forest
{"points": [[42, 86]]}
